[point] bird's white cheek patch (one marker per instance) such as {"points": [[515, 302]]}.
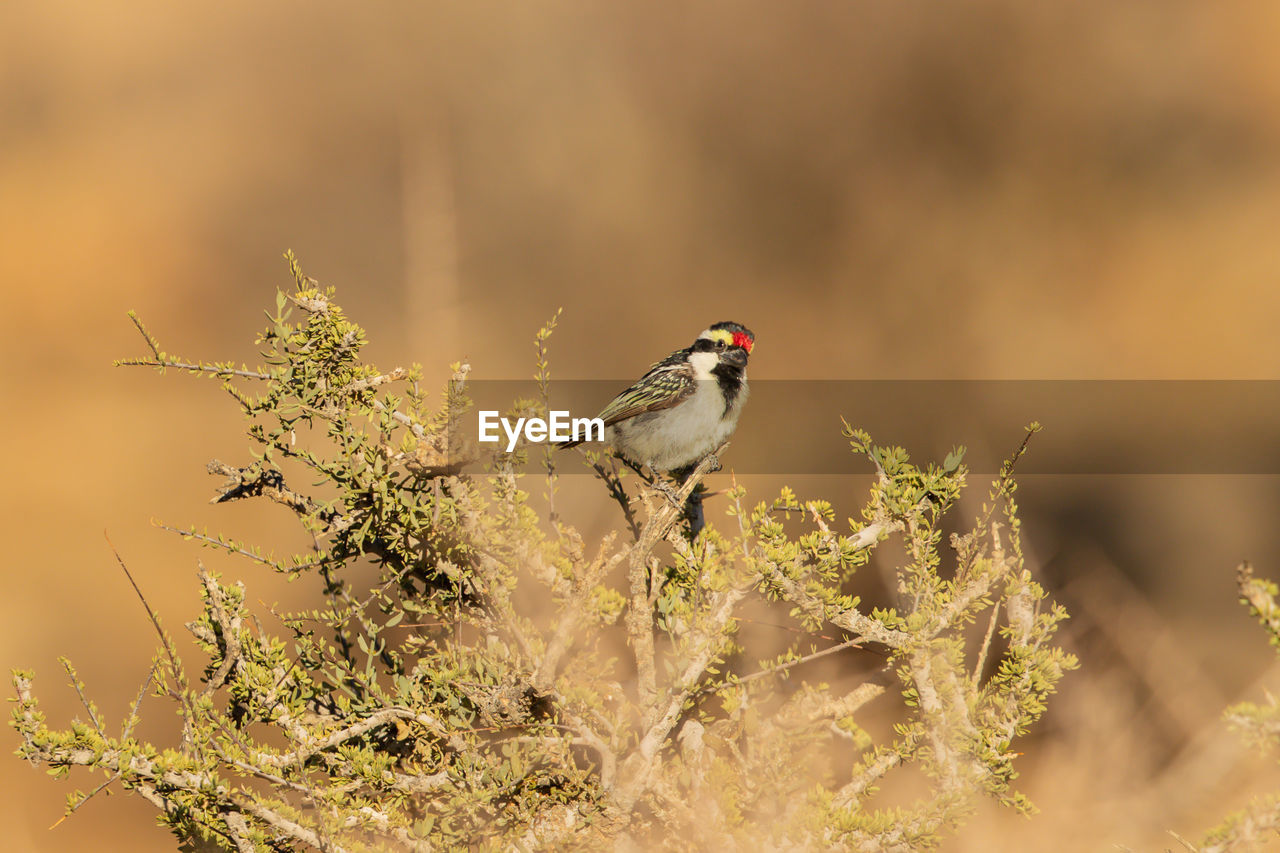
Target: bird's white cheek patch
{"points": [[702, 363]]}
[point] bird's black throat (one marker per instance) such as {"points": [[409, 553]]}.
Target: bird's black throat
{"points": [[729, 378]]}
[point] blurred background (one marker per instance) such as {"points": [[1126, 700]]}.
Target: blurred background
{"points": [[986, 189]]}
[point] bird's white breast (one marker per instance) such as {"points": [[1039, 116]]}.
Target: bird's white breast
{"points": [[682, 435]]}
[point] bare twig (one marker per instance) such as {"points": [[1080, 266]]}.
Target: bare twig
{"points": [[780, 668], [86, 798], [613, 483], [213, 369], [175, 668], [84, 700], [132, 719], [998, 558]]}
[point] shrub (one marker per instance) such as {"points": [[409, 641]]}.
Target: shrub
{"points": [[506, 683]]}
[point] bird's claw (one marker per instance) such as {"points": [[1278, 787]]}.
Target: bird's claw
{"points": [[715, 463], [668, 492]]}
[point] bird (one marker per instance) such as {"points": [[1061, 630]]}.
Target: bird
{"points": [[685, 406]]}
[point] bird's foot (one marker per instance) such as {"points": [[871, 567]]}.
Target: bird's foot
{"points": [[715, 463], [668, 492]]}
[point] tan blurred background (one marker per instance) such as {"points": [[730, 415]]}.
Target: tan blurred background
{"points": [[975, 190]]}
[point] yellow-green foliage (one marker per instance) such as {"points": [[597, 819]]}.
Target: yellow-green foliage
{"points": [[505, 683]]}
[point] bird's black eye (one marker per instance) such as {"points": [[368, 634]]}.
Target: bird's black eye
{"points": [[719, 344]]}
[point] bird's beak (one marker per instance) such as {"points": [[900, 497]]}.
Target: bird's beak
{"points": [[737, 356]]}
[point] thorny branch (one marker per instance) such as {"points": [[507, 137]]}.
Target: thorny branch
{"points": [[640, 613]]}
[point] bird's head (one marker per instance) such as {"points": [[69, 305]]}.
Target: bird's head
{"points": [[724, 343]]}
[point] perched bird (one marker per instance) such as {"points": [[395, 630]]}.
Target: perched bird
{"points": [[686, 405]]}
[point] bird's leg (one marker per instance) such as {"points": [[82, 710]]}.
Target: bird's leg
{"points": [[661, 485], [653, 478], [715, 463]]}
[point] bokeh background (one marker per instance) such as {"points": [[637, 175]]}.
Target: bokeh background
{"points": [[985, 189]]}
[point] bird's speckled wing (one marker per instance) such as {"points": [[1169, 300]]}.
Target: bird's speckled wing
{"points": [[668, 383]]}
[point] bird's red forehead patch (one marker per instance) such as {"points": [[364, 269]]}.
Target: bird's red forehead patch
{"points": [[742, 339]]}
